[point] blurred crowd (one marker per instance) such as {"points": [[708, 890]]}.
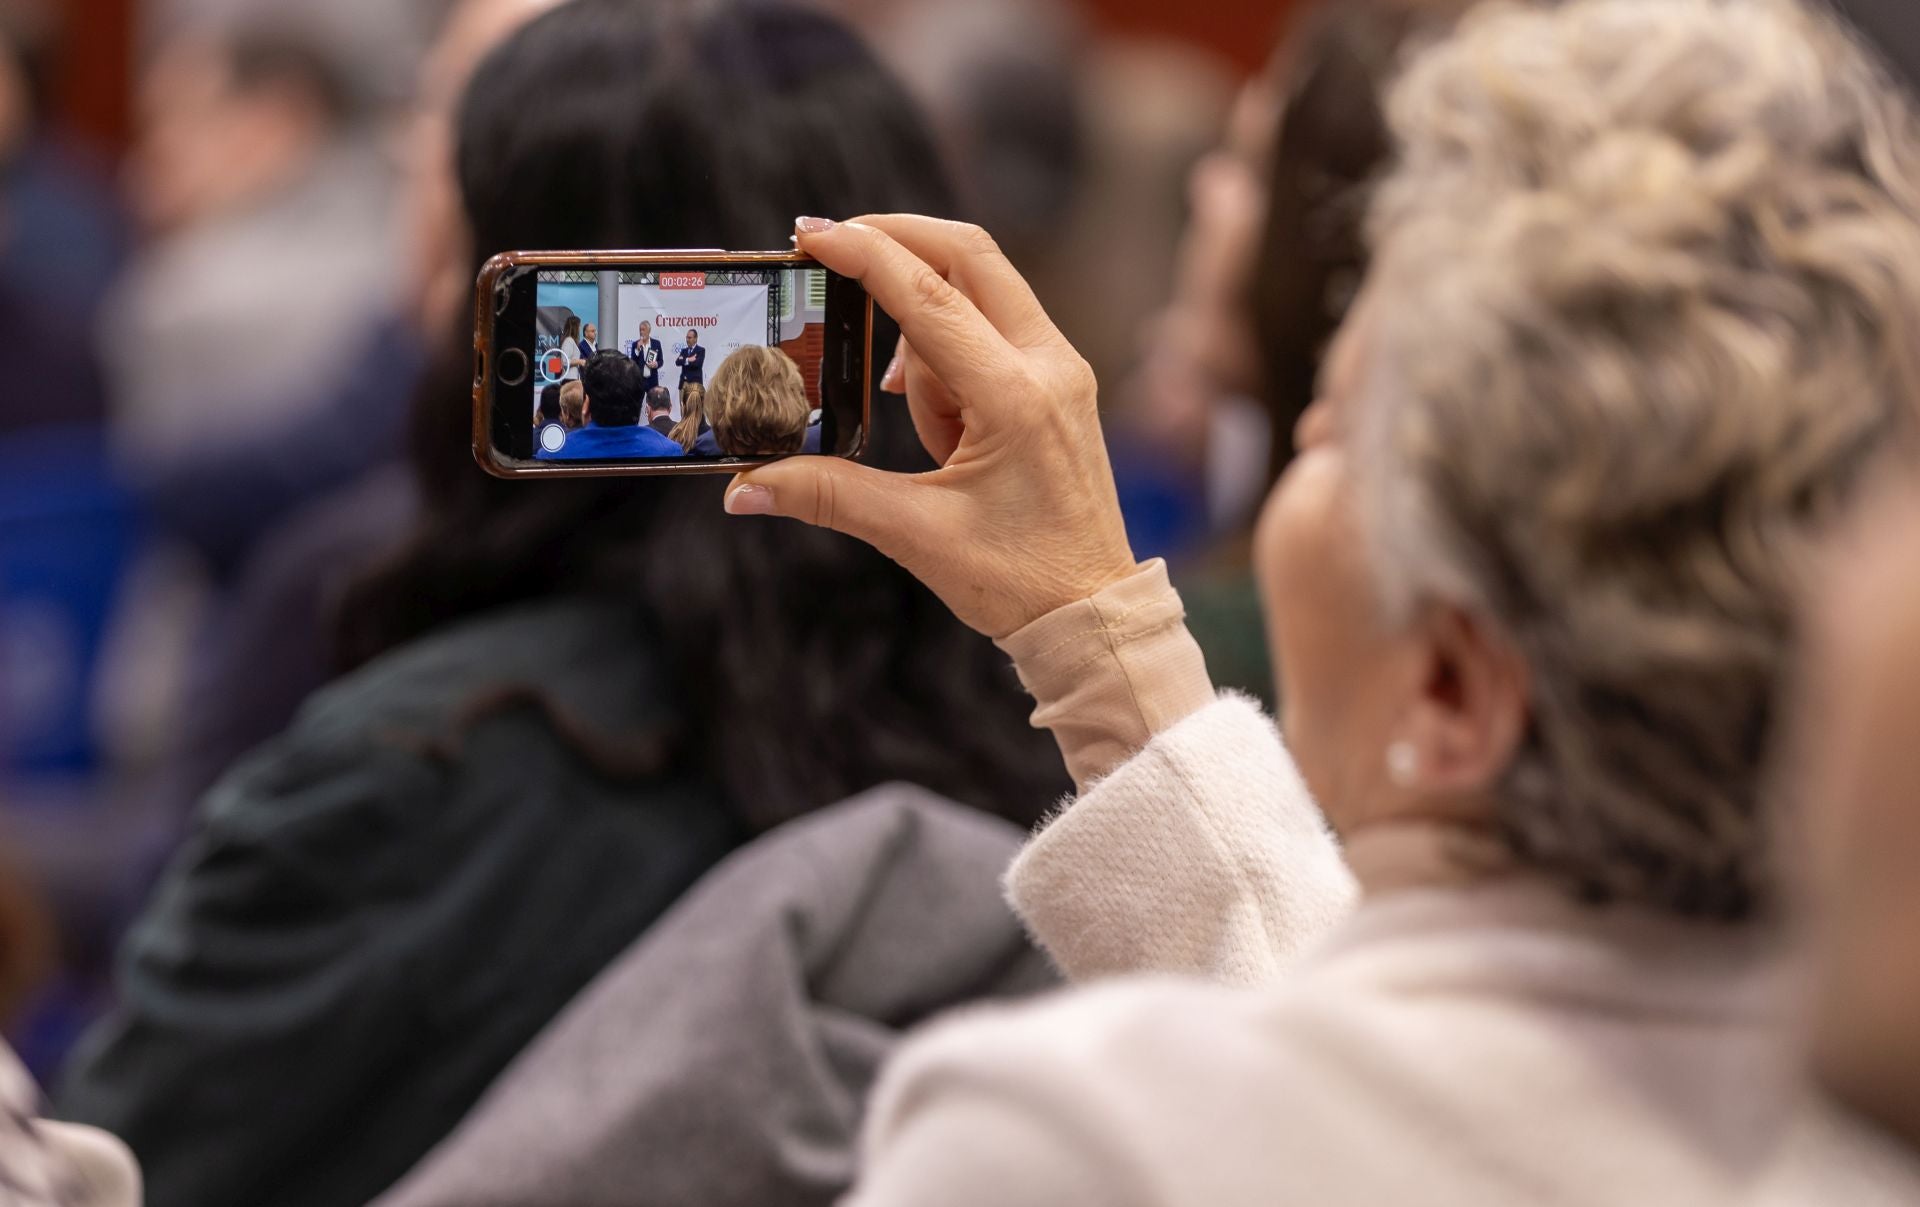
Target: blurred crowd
{"points": [[225, 342], [374, 830]]}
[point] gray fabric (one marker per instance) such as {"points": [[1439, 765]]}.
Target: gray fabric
{"points": [[725, 1058]]}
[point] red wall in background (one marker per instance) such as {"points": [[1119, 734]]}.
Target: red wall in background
{"points": [[1244, 31], [93, 80]]}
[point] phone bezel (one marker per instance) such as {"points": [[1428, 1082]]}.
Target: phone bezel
{"points": [[507, 270]]}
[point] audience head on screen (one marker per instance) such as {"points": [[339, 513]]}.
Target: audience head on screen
{"points": [[616, 390], [693, 414], [573, 405], [550, 403], [779, 110], [758, 403], [659, 404], [1630, 339]]}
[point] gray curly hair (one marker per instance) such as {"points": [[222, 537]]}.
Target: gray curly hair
{"points": [[1646, 306]]}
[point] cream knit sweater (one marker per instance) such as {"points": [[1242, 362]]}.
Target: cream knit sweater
{"points": [[1492, 1046]]}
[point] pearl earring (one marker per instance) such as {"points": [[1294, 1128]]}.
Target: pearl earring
{"points": [[1403, 764]]}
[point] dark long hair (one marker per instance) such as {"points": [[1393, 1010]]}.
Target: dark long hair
{"points": [[1333, 145], [806, 666]]}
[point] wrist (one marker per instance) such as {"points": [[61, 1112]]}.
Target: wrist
{"points": [[1112, 670]]}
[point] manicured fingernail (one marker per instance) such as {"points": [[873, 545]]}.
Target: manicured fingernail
{"points": [[892, 380], [813, 226], [750, 500]]}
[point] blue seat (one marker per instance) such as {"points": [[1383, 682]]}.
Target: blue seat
{"points": [[68, 532]]}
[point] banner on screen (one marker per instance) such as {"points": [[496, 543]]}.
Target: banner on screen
{"points": [[726, 316]]}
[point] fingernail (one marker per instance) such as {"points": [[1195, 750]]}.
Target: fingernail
{"points": [[890, 380], [750, 500], [813, 226]]}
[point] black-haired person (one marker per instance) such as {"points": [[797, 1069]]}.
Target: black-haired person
{"points": [[516, 777], [615, 410], [660, 411], [548, 411], [692, 360]]}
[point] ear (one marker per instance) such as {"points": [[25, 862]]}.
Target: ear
{"points": [[1470, 713], [586, 409]]}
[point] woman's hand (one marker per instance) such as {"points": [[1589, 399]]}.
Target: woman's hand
{"points": [[1021, 518]]}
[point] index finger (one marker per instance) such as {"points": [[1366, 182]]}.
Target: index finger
{"points": [[946, 329], [969, 258]]}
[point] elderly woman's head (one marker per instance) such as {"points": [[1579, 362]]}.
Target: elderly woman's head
{"points": [[1643, 308], [759, 404]]}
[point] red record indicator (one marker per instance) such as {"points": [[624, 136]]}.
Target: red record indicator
{"points": [[553, 365]]}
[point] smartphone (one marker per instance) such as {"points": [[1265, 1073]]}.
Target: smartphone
{"points": [[659, 362]]}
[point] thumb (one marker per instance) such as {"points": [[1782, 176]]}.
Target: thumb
{"points": [[828, 492]]}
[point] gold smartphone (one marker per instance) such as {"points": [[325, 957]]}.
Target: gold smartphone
{"points": [[593, 363]]}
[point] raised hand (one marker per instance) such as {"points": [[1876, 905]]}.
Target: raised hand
{"points": [[1021, 518]]}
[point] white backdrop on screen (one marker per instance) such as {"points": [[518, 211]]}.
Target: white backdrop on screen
{"points": [[726, 316]]}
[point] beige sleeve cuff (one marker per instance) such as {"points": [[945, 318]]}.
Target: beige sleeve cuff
{"points": [[1110, 672]]}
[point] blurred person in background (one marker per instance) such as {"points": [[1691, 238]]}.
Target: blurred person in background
{"points": [[1331, 143], [1071, 146], [285, 520], [268, 200], [62, 238], [257, 357], [1534, 588], [1275, 246], [381, 907]]}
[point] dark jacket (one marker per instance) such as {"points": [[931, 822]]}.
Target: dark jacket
{"points": [[381, 907], [724, 1059], [637, 353], [693, 365]]}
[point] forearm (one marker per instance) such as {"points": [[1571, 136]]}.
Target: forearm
{"points": [[1194, 846]]}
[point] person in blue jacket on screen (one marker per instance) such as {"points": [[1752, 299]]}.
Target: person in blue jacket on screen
{"points": [[616, 398]]}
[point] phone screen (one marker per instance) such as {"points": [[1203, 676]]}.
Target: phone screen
{"points": [[639, 367]]}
